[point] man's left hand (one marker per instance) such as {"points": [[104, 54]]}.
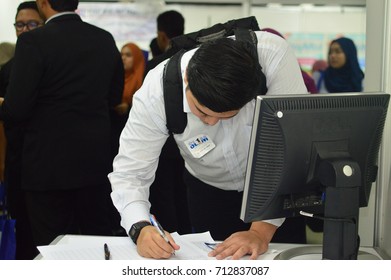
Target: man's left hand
{"points": [[253, 242]]}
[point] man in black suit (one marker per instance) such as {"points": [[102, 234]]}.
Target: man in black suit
{"points": [[66, 77], [27, 18]]}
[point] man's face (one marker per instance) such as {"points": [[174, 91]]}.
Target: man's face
{"points": [[337, 57], [26, 20], [206, 115], [127, 58]]}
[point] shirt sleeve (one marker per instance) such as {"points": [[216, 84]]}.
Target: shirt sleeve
{"points": [[276, 222], [141, 142], [280, 65]]}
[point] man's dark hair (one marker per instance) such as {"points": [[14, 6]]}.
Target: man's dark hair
{"points": [[172, 23], [224, 75], [26, 5], [64, 5]]}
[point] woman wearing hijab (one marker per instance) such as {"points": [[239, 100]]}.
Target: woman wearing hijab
{"points": [[134, 65], [343, 73]]}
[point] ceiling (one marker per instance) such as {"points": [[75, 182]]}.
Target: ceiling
{"points": [[253, 2]]}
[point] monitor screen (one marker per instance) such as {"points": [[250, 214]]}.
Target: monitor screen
{"points": [[314, 154]]}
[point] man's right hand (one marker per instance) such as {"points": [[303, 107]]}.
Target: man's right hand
{"points": [[151, 245]]}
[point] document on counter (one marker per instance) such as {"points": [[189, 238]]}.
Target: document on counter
{"points": [[80, 247]]}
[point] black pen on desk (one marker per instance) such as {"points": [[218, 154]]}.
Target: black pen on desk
{"points": [[159, 228], [107, 251]]}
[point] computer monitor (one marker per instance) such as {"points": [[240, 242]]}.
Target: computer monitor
{"points": [[315, 154]]}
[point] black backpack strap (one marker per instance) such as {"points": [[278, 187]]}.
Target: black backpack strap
{"points": [[173, 94], [244, 34], [219, 30]]}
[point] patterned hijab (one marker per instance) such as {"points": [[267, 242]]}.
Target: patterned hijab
{"points": [[134, 77], [349, 77]]}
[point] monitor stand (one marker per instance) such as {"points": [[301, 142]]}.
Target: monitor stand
{"points": [[314, 252], [342, 179]]}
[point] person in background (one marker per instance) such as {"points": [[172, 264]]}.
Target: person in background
{"points": [[154, 48], [134, 66], [27, 19], [218, 101], [317, 70], [168, 193], [308, 80], [343, 73], [169, 25], [65, 78], [6, 53], [319, 65], [3, 144]]}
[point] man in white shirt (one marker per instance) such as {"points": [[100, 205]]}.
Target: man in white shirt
{"points": [[220, 82]]}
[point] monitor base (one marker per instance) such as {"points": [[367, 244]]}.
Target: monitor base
{"points": [[315, 253]]}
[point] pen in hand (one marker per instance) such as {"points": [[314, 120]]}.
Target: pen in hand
{"points": [[159, 228], [107, 252]]}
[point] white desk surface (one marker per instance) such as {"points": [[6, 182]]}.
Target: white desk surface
{"points": [[281, 251]]}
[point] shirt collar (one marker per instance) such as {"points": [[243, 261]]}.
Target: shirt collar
{"points": [[60, 14]]}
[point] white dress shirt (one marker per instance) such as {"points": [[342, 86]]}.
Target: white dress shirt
{"points": [[224, 166]]}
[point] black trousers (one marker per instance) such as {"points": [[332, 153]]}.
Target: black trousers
{"points": [[218, 211], [25, 249], [77, 211]]}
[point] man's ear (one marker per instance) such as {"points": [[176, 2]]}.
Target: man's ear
{"points": [[165, 40], [41, 3], [185, 77]]}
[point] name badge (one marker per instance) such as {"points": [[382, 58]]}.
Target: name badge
{"points": [[200, 145]]}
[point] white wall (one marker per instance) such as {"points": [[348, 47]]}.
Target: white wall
{"points": [[284, 19], [379, 66], [385, 204], [7, 18]]}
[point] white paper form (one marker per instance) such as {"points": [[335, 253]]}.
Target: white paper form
{"points": [[192, 246], [74, 247]]}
